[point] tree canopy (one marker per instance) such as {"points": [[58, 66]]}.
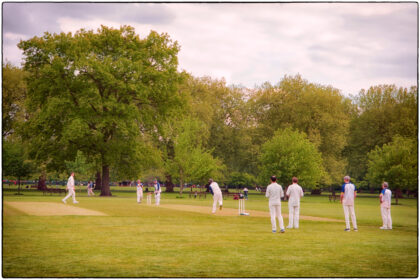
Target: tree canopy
{"points": [[108, 103], [97, 92], [289, 153]]}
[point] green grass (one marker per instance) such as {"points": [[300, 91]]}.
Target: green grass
{"points": [[144, 241]]}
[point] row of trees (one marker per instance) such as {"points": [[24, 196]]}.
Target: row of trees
{"points": [[110, 104]]}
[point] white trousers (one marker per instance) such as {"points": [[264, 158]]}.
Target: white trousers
{"points": [[72, 194], [386, 217], [349, 209], [217, 197], [294, 216], [275, 212], [90, 192], [157, 198], [139, 196]]}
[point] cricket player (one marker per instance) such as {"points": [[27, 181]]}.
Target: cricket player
{"points": [[217, 195], [294, 192], [385, 199], [139, 191], [274, 193], [70, 188], [158, 190], [348, 194]]}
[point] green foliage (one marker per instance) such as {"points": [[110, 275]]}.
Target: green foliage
{"points": [[289, 153], [321, 112], [238, 179], [99, 93], [384, 112], [13, 97], [191, 161], [14, 162], [395, 163]]}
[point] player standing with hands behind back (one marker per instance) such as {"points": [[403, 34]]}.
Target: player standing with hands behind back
{"points": [[348, 194], [274, 193]]}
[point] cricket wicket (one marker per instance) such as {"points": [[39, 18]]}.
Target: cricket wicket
{"points": [[149, 198], [242, 207]]}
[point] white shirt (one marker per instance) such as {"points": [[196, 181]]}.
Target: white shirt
{"points": [[274, 193], [215, 188], [139, 187], [158, 189], [294, 192], [70, 183], [386, 198], [348, 190]]}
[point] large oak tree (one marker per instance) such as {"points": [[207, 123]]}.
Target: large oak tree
{"points": [[99, 93]]}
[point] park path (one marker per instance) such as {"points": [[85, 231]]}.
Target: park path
{"points": [[235, 212], [51, 209]]}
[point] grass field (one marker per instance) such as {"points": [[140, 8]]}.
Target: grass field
{"points": [[134, 240]]}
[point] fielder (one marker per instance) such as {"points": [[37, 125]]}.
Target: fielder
{"points": [[70, 188], [274, 193], [158, 190], [294, 192], [385, 199], [217, 195], [139, 191], [348, 194]]}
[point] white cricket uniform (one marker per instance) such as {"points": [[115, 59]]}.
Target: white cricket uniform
{"points": [[294, 192], [386, 195], [70, 188], [274, 193], [217, 195], [139, 192], [348, 204], [158, 190]]}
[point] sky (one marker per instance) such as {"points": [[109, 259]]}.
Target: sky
{"points": [[350, 46]]}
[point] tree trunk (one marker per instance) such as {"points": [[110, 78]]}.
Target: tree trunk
{"points": [[105, 190], [41, 182], [98, 181], [181, 184], [169, 185]]}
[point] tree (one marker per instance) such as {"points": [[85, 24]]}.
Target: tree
{"points": [[191, 162], [241, 180], [395, 163], [384, 111], [100, 93], [13, 97], [290, 153], [14, 162], [321, 112]]}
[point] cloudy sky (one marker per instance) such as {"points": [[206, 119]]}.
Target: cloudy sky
{"points": [[347, 45]]}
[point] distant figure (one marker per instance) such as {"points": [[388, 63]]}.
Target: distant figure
{"points": [[348, 194], [274, 193], [158, 190], [246, 193], [385, 199], [90, 188], [139, 187], [70, 188], [217, 195], [294, 192]]}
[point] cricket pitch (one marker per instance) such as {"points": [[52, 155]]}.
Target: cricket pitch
{"points": [[51, 209]]}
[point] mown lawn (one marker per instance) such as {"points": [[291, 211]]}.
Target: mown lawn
{"points": [[147, 241]]}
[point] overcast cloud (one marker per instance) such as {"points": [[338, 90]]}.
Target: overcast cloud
{"points": [[347, 45]]}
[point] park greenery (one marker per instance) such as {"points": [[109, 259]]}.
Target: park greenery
{"points": [[113, 106]]}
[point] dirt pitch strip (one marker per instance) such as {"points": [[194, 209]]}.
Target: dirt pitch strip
{"points": [[52, 209], [235, 212]]}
